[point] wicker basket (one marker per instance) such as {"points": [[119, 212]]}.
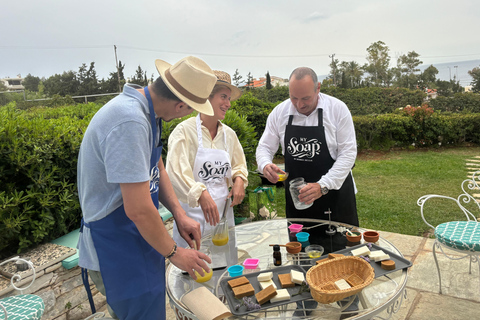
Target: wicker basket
{"points": [[323, 275]]}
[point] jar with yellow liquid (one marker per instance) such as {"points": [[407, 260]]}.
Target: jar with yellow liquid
{"points": [[207, 275], [220, 233]]}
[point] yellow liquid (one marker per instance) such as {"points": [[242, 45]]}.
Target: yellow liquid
{"points": [[205, 278], [282, 177], [314, 254], [220, 239]]}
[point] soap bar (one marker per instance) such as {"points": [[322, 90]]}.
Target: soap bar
{"points": [[388, 265], [297, 276], [266, 294], [243, 291], [265, 276], [362, 251], [238, 282], [334, 255], [342, 284], [282, 294], [285, 280], [265, 284], [354, 280]]}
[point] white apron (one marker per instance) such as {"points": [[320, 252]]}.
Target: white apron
{"points": [[212, 168]]}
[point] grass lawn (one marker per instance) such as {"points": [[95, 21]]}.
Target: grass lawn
{"points": [[390, 183]]}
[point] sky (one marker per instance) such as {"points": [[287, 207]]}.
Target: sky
{"points": [[49, 37]]}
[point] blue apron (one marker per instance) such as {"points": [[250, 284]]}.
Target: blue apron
{"points": [[133, 272]]}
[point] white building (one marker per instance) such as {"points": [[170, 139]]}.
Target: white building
{"points": [[13, 84]]}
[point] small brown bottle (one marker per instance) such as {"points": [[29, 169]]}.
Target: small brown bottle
{"points": [[277, 256]]}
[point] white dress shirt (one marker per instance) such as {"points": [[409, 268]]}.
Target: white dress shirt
{"points": [[339, 134]]}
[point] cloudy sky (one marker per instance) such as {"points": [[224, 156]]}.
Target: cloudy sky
{"points": [[51, 36]]}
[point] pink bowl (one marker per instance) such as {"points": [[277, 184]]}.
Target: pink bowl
{"points": [[251, 263], [295, 227]]}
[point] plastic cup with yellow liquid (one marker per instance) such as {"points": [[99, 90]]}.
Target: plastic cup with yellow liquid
{"points": [[207, 275], [282, 176]]}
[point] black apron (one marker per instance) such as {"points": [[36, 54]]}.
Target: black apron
{"points": [[307, 156]]}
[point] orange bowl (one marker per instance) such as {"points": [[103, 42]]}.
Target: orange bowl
{"points": [[296, 248], [371, 236], [357, 236]]}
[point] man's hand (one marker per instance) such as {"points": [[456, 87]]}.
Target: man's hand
{"points": [[310, 193], [190, 260], [238, 192], [270, 171], [209, 208], [188, 228]]}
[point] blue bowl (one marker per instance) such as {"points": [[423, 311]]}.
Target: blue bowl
{"points": [[302, 236], [236, 270]]}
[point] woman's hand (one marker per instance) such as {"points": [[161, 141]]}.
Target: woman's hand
{"points": [[209, 208], [238, 192]]}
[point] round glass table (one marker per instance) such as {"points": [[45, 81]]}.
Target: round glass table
{"points": [[381, 299]]}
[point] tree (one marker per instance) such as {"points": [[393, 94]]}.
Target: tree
{"points": [[62, 84], [335, 73], [140, 77], [236, 78], [428, 77], [407, 66], [475, 74], [378, 63], [111, 84], [249, 81], [268, 81], [87, 78], [31, 83]]}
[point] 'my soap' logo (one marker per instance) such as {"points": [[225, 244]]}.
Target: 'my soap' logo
{"points": [[215, 171], [154, 179], [303, 148]]}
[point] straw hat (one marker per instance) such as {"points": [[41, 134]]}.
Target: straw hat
{"points": [[223, 78], [191, 80]]}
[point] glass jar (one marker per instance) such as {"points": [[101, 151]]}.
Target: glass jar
{"points": [[295, 186], [206, 276]]}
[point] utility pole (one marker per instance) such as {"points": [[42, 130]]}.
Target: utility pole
{"points": [[456, 72], [334, 70], [118, 72]]}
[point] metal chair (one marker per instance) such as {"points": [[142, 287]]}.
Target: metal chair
{"points": [[460, 236], [23, 306]]}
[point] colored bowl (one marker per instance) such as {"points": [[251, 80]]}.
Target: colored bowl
{"points": [[251, 263], [314, 251], [236, 270], [294, 249], [302, 236], [357, 236], [371, 236], [295, 228]]}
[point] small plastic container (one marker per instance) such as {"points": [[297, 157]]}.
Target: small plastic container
{"points": [[295, 228], [302, 236], [236, 270], [250, 263]]}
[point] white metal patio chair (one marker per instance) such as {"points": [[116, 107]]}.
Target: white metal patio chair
{"points": [[23, 306], [460, 236]]}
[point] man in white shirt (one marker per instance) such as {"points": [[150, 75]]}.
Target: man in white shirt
{"points": [[318, 141]]}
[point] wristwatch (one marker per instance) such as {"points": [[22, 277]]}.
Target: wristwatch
{"points": [[324, 190]]}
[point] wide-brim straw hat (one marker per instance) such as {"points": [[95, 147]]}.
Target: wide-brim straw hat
{"points": [[191, 80], [223, 78]]}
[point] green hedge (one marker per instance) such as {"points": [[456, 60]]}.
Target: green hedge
{"points": [[386, 131], [38, 163]]}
